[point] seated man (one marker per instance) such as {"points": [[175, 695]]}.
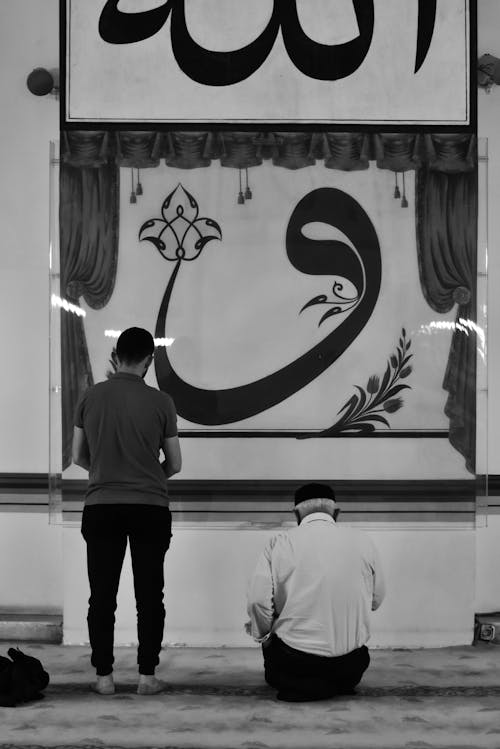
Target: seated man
{"points": [[309, 601]]}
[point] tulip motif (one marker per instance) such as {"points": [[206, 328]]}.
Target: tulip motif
{"points": [[181, 234]]}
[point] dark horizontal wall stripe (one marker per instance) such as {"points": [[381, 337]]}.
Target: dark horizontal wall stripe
{"points": [[270, 501], [39, 482], [261, 492], [23, 483], [258, 490], [493, 485], [382, 434]]}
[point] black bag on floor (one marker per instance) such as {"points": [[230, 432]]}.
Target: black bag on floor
{"points": [[22, 678]]}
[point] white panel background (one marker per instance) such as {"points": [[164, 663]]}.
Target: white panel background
{"points": [[235, 309]]}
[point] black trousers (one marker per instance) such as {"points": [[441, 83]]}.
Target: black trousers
{"points": [[106, 529], [300, 676]]}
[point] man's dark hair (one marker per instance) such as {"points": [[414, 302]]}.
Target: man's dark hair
{"points": [[133, 345]]}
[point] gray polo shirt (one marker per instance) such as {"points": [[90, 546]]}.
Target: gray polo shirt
{"points": [[125, 422]]}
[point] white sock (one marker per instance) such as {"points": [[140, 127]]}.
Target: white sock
{"points": [[149, 684], [105, 684]]}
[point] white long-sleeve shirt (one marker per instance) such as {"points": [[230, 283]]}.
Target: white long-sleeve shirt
{"points": [[315, 587]]}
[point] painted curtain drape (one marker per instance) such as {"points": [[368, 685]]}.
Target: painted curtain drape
{"points": [[88, 258], [446, 211], [348, 151], [447, 256]]}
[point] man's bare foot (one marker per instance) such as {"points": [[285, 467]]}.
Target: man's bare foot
{"points": [[150, 685], [104, 685]]}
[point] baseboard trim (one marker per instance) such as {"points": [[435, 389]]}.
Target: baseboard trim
{"points": [[407, 640]]}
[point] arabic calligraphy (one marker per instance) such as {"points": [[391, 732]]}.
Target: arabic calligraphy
{"points": [[326, 62], [360, 266]]}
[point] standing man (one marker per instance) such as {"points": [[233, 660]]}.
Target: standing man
{"points": [[120, 427], [309, 601]]}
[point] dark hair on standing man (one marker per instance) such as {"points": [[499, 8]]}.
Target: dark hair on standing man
{"points": [[133, 345]]}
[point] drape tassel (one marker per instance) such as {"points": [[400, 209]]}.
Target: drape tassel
{"points": [[138, 187], [397, 194], [248, 192], [133, 197], [404, 202], [241, 198]]}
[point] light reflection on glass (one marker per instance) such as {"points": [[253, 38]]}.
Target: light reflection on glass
{"points": [[158, 341], [462, 325], [57, 301], [164, 341]]}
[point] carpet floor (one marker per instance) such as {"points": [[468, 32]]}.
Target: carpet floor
{"points": [[411, 699]]}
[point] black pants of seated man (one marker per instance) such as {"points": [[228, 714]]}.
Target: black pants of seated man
{"points": [[300, 676], [106, 530]]}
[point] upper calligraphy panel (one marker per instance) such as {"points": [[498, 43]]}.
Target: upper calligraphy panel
{"points": [[292, 62]]}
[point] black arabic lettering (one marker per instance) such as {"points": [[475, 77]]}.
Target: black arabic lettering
{"points": [[116, 27], [327, 62], [426, 22], [220, 68], [314, 257], [318, 61]]}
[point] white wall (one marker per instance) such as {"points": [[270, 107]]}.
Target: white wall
{"points": [[430, 581], [489, 127], [30, 549], [28, 39], [431, 572], [488, 538], [487, 594], [31, 563]]}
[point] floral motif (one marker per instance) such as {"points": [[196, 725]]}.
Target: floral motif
{"points": [[338, 303], [180, 234], [379, 396]]}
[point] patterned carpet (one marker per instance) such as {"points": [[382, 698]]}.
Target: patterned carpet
{"points": [[266, 693], [217, 699]]}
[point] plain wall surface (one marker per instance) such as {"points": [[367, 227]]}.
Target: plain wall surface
{"points": [[489, 127], [487, 584], [30, 549], [28, 39], [429, 575], [31, 563], [434, 584], [488, 538]]}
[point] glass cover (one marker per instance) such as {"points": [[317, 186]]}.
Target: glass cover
{"points": [[319, 313]]}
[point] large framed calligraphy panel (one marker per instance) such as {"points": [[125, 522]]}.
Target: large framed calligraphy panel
{"points": [[309, 321], [343, 62]]}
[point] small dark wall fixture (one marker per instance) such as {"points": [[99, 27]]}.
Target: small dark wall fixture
{"points": [[42, 82]]}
